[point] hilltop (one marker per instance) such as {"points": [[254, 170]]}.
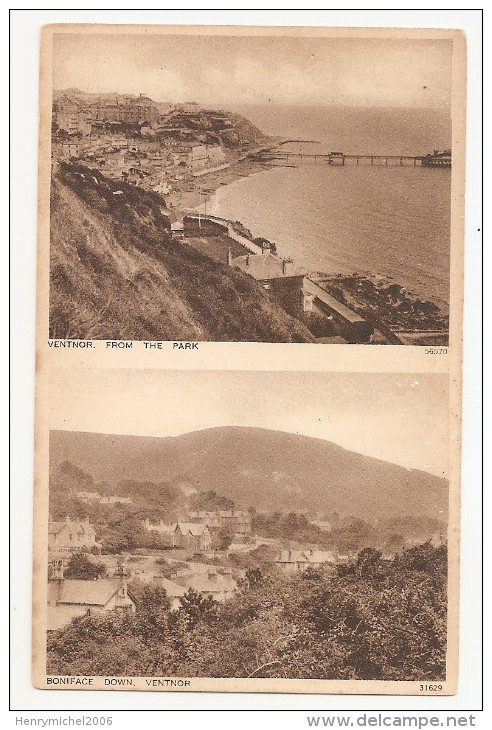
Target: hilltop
{"points": [[267, 470], [182, 122], [117, 273]]}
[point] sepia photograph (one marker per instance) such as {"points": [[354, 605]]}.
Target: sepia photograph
{"points": [[223, 501], [251, 184], [242, 531]]}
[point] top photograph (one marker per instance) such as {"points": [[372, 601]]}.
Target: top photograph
{"points": [[250, 184]]}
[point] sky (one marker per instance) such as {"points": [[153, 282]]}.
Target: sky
{"points": [[399, 418], [222, 70]]}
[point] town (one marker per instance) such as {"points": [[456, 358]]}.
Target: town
{"points": [[158, 147], [193, 554], [236, 551], [182, 613], [181, 153], [207, 551]]}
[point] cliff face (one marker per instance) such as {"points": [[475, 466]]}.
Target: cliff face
{"points": [[116, 273]]}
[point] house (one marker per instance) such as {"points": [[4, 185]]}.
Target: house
{"points": [[69, 599], [177, 227], [69, 151], [70, 536], [167, 532], [215, 155], [89, 497], [278, 276], [192, 536], [219, 586], [174, 590], [323, 525], [296, 561], [115, 499], [211, 519], [238, 521]]}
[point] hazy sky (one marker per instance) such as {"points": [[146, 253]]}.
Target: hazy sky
{"points": [[222, 70], [395, 417]]}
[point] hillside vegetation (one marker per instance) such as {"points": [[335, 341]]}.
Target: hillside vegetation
{"points": [[267, 470], [373, 619], [116, 273]]}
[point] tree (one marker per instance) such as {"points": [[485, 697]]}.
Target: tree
{"points": [[252, 578], [196, 607], [375, 620], [368, 562], [80, 567], [224, 538]]}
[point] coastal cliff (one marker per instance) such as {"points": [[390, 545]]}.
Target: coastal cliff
{"points": [[117, 273]]}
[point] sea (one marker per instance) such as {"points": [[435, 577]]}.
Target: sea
{"points": [[388, 222]]}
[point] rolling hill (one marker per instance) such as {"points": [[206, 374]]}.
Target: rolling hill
{"points": [[269, 470]]}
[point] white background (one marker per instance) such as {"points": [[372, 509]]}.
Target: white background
{"points": [[25, 700]]}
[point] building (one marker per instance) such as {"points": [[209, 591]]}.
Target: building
{"points": [[69, 599], [166, 531], [69, 536], [278, 276], [198, 158], [437, 159], [351, 325], [238, 521], [216, 155], [68, 151], [296, 561], [173, 590], [115, 499], [211, 519], [88, 497], [192, 536], [219, 586]]}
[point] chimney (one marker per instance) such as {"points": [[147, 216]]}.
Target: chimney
{"points": [[247, 259], [287, 267], [265, 247], [212, 576], [120, 571], [55, 586], [229, 257]]}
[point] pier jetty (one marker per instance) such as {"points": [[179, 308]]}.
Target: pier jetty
{"points": [[437, 159]]}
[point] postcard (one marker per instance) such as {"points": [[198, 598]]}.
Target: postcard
{"points": [[249, 343]]}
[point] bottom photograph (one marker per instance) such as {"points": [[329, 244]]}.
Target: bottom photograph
{"points": [[244, 531]]}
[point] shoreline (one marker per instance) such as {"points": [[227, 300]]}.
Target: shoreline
{"points": [[195, 193], [203, 188]]}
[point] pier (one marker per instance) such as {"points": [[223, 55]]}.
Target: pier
{"points": [[438, 159]]}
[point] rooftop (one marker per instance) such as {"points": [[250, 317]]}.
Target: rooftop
{"points": [[87, 592], [267, 266]]}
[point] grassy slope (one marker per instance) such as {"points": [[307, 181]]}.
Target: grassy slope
{"points": [[117, 274], [265, 469]]}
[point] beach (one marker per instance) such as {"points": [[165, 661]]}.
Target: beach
{"points": [[194, 193]]}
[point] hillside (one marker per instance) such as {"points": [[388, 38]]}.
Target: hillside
{"points": [[268, 470], [187, 123], [116, 273]]}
